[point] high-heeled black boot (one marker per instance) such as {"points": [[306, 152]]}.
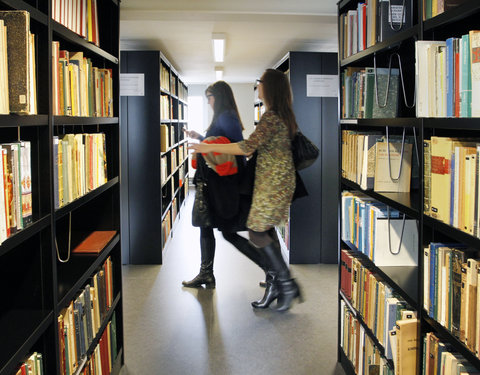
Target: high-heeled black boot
{"points": [[205, 276], [271, 292], [287, 288]]}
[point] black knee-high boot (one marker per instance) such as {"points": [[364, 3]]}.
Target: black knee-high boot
{"points": [[205, 276], [284, 288]]}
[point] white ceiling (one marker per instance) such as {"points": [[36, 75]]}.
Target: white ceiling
{"points": [[259, 33]]}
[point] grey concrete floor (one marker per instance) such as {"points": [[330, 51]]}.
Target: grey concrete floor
{"points": [[174, 330]]}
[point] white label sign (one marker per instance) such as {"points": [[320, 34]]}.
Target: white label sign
{"points": [[322, 85], [132, 84]]}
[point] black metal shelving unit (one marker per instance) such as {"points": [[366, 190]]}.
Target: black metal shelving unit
{"points": [[37, 284], [409, 283]]}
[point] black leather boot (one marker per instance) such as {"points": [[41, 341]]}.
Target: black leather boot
{"points": [[287, 288], [271, 292], [205, 276]]}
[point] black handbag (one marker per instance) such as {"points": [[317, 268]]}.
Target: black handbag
{"points": [[304, 152], [201, 216]]}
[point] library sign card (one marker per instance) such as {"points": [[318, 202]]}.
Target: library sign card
{"points": [[322, 85], [132, 84]]}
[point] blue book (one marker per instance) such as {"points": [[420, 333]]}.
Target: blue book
{"points": [[466, 78], [450, 68]]}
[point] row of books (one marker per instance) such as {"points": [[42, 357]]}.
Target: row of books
{"points": [[378, 232], [80, 16], [432, 8], [18, 93], [15, 188], [359, 347], [80, 165], [79, 323], [167, 137], [79, 88], [182, 91], [364, 92], [103, 357], [166, 110], [447, 77], [372, 22], [166, 228], [377, 303], [451, 182], [371, 162], [440, 358], [32, 366], [164, 78], [451, 278]]}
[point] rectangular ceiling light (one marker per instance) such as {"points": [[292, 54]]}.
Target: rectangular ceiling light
{"points": [[218, 73], [218, 46]]}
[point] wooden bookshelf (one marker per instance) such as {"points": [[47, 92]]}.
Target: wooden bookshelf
{"points": [[35, 279], [148, 199], [409, 285]]}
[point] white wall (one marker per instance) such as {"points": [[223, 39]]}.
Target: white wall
{"points": [[244, 97]]}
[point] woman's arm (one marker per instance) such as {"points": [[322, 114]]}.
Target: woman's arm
{"points": [[228, 148]]}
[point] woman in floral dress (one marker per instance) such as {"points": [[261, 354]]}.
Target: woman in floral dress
{"points": [[274, 183]]}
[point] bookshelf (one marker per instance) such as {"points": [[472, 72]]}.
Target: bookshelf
{"points": [[408, 282], [314, 116], [37, 285], [155, 162]]}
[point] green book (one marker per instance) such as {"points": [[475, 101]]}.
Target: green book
{"points": [[369, 91], [390, 109]]}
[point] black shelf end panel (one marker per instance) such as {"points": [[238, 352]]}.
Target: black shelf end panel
{"points": [[459, 346], [77, 120], [403, 279], [453, 15], [72, 37], [404, 202], [452, 232], [386, 45], [20, 330], [61, 212], [67, 291], [9, 121], [19, 237]]}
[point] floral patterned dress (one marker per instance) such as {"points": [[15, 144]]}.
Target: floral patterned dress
{"points": [[274, 174]]}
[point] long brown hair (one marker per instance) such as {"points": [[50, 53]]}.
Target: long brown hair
{"points": [[277, 95], [224, 101]]}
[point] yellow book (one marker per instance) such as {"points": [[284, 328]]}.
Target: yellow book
{"points": [[73, 73], [407, 347], [471, 304]]}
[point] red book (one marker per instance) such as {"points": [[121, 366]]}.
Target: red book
{"points": [[349, 259], [95, 242]]}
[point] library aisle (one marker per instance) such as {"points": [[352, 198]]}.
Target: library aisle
{"points": [[174, 330]]}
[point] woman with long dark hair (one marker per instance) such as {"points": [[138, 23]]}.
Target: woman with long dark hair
{"points": [[274, 184], [227, 205]]}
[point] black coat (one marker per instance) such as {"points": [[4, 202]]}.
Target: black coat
{"points": [[228, 199]]}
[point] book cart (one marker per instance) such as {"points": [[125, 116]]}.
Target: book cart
{"points": [[408, 282], [155, 159], [38, 280]]}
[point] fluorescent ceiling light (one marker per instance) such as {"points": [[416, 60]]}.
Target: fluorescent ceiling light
{"points": [[218, 46], [218, 73]]}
